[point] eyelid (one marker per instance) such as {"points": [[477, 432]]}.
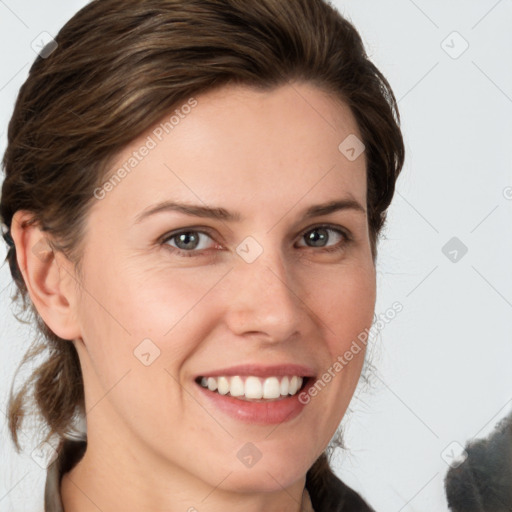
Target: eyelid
{"points": [[204, 230], [208, 231], [340, 229]]}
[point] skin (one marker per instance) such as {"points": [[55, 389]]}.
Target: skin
{"points": [[154, 442]]}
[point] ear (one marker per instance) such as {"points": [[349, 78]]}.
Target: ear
{"points": [[48, 275]]}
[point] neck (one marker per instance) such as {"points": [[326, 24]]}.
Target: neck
{"points": [[114, 475]]}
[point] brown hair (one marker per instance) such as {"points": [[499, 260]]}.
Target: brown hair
{"points": [[118, 67]]}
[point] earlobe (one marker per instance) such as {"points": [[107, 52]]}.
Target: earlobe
{"points": [[48, 276]]}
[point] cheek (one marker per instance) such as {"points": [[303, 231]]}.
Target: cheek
{"points": [[345, 302], [138, 330], [128, 308]]}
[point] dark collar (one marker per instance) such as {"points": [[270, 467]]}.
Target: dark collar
{"points": [[70, 452]]}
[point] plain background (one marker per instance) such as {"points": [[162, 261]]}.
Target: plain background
{"points": [[443, 364]]}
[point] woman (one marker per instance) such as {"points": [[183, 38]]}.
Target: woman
{"points": [[193, 196]]}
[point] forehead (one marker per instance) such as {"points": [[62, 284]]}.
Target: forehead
{"points": [[243, 148]]}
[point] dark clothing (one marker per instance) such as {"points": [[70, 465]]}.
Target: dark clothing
{"points": [[334, 496], [483, 482]]}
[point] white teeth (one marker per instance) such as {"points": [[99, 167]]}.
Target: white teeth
{"points": [[212, 384], [236, 387], [271, 388], [222, 385], [254, 388], [294, 385], [284, 386]]}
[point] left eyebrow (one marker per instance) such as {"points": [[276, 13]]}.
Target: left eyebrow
{"points": [[334, 206], [219, 213]]}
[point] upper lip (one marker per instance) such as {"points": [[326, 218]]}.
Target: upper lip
{"points": [[262, 371]]}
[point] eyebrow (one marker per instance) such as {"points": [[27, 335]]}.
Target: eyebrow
{"points": [[219, 213]]}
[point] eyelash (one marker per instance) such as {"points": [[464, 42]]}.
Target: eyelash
{"points": [[195, 253]]}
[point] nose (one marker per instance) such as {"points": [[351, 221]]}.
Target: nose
{"points": [[264, 299]]}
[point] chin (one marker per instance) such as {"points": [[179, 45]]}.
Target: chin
{"points": [[260, 480], [268, 474]]}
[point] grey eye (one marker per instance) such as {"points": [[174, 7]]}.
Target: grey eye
{"points": [[318, 236], [187, 240]]}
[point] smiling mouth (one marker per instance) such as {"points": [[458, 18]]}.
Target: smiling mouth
{"points": [[255, 389]]}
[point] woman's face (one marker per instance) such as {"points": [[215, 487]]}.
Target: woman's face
{"points": [[157, 310]]}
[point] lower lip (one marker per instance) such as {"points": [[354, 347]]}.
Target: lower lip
{"points": [[264, 413]]}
